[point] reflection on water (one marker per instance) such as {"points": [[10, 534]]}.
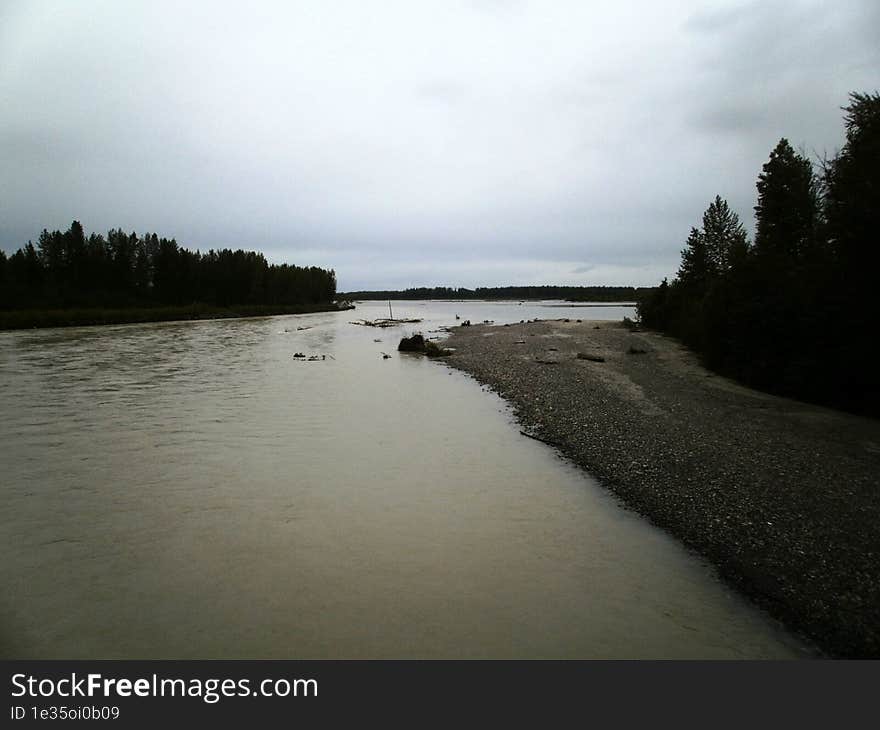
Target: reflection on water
{"points": [[190, 490]]}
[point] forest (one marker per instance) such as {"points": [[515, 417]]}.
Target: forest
{"points": [[570, 293], [793, 312], [69, 270]]}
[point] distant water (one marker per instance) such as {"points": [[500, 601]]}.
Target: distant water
{"points": [[190, 490]]}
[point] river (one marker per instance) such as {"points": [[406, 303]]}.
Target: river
{"points": [[191, 490]]}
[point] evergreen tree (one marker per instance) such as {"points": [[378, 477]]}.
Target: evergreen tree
{"points": [[789, 314], [787, 210], [75, 254], [5, 288], [696, 268], [723, 234], [852, 191], [127, 270]]}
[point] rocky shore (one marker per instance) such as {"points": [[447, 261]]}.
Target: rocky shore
{"points": [[783, 497]]}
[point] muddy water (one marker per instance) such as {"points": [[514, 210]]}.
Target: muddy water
{"points": [[190, 490]]}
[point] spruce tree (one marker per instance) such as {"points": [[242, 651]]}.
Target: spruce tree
{"points": [[724, 235], [696, 268], [787, 209], [852, 191]]}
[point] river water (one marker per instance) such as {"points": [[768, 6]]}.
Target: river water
{"points": [[190, 490]]}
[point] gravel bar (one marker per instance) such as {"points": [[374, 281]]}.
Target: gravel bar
{"points": [[781, 496]]}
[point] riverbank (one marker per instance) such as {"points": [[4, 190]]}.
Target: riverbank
{"points": [[783, 497], [39, 318]]}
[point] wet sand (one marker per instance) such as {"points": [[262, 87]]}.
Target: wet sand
{"points": [[783, 497]]}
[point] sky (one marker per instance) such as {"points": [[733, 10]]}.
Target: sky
{"points": [[418, 143]]}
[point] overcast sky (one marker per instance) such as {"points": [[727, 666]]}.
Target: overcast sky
{"points": [[417, 143]]}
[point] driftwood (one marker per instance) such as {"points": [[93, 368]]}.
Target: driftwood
{"points": [[417, 343], [385, 322], [301, 357], [542, 440]]}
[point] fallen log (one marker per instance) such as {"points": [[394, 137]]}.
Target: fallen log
{"points": [[384, 322]]}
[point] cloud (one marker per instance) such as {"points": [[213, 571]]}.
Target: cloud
{"points": [[713, 21], [442, 91], [429, 143]]}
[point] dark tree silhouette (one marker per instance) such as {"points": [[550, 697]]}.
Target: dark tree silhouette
{"points": [[786, 216], [789, 313], [126, 270], [852, 197], [724, 236], [697, 269], [572, 293]]}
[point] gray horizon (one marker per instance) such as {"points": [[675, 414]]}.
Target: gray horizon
{"points": [[481, 143]]}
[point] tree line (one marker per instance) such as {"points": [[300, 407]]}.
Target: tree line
{"points": [[570, 293], [792, 312], [69, 269]]}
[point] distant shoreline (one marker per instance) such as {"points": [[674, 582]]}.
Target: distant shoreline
{"points": [[556, 303], [781, 496], [87, 317], [505, 293]]}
